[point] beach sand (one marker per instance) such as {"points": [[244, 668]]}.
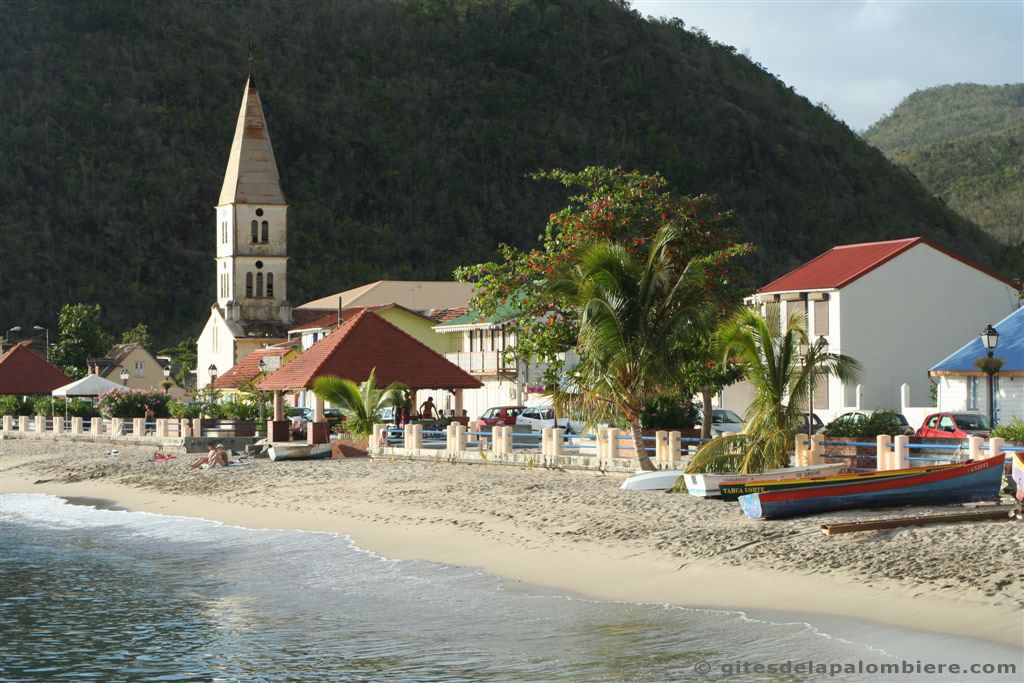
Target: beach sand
{"points": [[576, 531]]}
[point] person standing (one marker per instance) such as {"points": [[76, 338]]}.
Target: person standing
{"points": [[427, 411]]}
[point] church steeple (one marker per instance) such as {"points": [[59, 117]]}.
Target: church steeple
{"points": [[251, 176]]}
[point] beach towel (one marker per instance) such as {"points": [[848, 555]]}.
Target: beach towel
{"points": [[162, 457]]}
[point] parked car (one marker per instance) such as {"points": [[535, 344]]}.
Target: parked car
{"points": [[816, 424], [539, 417], [955, 426], [901, 426], [723, 421], [502, 416]]}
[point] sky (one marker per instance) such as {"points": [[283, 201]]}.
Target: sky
{"points": [[862, 57]]}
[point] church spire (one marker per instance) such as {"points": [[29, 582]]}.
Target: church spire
{"points": [[251, 176]]}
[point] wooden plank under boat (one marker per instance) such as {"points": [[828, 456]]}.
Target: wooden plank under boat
{"points": [[707, 485], [288, 450], [970, 482], [734, 491]]}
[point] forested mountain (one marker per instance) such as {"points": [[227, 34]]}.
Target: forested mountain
{"points": [[404, 132], [965, 143]]}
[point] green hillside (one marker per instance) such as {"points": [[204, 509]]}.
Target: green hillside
{"points": [[965, 143], [404, 132]]}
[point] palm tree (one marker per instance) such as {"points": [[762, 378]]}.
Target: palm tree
{"points": [[783, 379], [361, 405], [634, 314]]}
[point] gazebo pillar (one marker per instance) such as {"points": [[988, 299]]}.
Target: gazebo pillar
{"points": [[458, 403], [316, 431], [277, 429]]}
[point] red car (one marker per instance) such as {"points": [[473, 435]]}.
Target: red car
{"points": [[955, 426], [505, 416]]}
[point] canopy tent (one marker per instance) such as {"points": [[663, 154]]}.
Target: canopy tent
{"points": [[90, 385]]}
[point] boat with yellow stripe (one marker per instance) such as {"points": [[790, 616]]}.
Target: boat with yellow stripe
{"points": [[735, 490]]}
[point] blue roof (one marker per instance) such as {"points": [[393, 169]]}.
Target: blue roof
{"points": [[1010, 348]]}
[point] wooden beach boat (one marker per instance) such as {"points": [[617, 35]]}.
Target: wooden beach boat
{"points": [[734, 491], [707, 485], [964, 483], [299, 451]]}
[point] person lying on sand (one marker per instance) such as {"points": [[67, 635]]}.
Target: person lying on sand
{"points": [[215, 458]]}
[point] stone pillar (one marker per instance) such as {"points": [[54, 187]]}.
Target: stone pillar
{"points": [[76, 425], [23, 423], [995, 446], [407, 435], [7, 423], [883, 442], [58, 424], [377, 440], [661, 449], [417, 436], [197, 426], [115, 426], [545, 441], [673, 448], [506, 441], [900, 453], [161, 428], [558, 441], [817, 451], [496, 446], [974, 448], [460, 438], [139, 426], [318, 410], [458, 404], [800, 450], [278, 405], [613, 443], [40, 423], [97, 426]]}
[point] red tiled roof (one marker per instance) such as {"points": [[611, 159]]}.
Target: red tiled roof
{"points": [[247, 369], [363, 343], [839, 266], [443, 315], [317, 319], [23, 373]]}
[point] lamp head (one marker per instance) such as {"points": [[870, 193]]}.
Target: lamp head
{"points": [[989, 338], [124, 373], [16, 328]]}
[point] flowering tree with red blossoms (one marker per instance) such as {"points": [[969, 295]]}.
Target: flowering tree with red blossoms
{"points": [[626, 207]]}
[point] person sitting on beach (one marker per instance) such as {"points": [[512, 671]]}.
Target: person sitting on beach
{"points": [[215, 458]]}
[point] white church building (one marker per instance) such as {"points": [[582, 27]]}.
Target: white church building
{"points": [[251, 308]]}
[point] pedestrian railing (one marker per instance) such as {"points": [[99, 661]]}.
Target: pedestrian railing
{"points": [[134, 428], [893, 453]]}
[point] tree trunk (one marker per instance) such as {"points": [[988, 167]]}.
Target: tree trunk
{"points": [[642, 457], [705, 424]]}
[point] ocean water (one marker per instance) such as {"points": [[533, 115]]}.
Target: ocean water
{"points": [[101, 594]]}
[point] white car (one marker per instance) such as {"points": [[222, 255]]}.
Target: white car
{"points": [[723, 422], [539, 417]]}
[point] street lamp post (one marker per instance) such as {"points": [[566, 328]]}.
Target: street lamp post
{"points": [[167, 380], [212, 371], [7, 337], [124, 376], [990, 339], [47, 331], [264, 368]]}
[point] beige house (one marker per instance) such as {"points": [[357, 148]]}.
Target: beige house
{"points": [[251, 309], [144, 371]]}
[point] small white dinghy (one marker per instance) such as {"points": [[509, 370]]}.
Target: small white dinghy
{"points": [[299, 451], [706, 485]]}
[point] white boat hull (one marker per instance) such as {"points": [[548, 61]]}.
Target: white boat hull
{"points": [[662, 480], [706, 485], [299, 451]]}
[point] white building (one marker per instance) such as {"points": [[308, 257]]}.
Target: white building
{"points": [[893, 306], [251, 308], [962, 386]]}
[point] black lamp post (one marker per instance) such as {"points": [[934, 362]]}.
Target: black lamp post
{"points": [[264, 368], [124, 376], [167, 380], [990, 339], [213, 374]]}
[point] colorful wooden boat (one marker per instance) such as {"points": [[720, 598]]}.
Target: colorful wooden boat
{"points": [[965, 483], [734, 491], [707, 485]]}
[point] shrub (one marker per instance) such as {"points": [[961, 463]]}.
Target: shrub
{"points": [[133, 403], [178, 409], [14, 405], [879, 422], [241, 409], [73, 407], [669, 412], [1011, 431]]}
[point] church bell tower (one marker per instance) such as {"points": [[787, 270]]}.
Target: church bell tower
{"points": [[252, 225]]}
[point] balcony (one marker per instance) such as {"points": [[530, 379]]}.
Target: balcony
{"points": [[482, 362]]}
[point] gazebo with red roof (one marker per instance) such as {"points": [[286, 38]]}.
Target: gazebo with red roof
{"points": [[23, 373], [362, 344], [248, 369]]}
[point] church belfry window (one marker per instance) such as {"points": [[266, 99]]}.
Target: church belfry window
{"points": [[270, 284], [248, 285], [259, 285], [255, 231], [266, 232]]}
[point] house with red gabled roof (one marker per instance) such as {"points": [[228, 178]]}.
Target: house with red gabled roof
{"points": [[897, 307], [312, 325], [24, 373], [361, 344]]}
